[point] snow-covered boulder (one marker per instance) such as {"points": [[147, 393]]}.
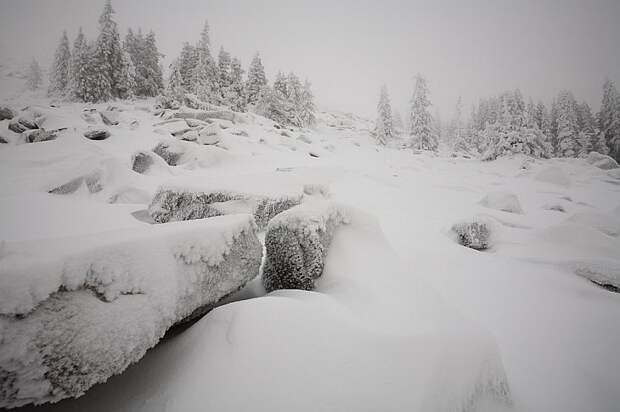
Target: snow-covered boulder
{"points": [[553, 175], [212, 114], [92, 182], [175, 204], [473, 234], [601, 161], [6, 113], [39, 135], [171, 152], [3, 140], [97, 134], [110, 117], [504, 201], [146, 162], [75, 312], [209, 135], [297, 242], [17, 127], [603, 272]]}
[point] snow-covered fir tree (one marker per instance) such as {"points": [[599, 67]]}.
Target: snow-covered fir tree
{"points": [[79, 72], [609, 118], [205, 78], [188, 60], [306, 107], [457, 136], [224, 74], [34, 76], [175, 88], [420, 132], [397, 122], [127, 81], [288, 102], [568, 128], [384, 129], [59, 74], [256, 80], [235, 96], [106, 58]]}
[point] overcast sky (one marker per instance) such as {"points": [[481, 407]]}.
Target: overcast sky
{"points": [[349, 48]]}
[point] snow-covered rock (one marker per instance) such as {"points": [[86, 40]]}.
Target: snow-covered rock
{"points": [[110, 117], [171, 152], [38, 135], [504, 201], [176, 204], [77, 311], [603, 272], [6, 113], [97, 134], [601, 161], [553, 175], [209, 135], [297, 242], [213, 114], [92, 181], [474, 234]]}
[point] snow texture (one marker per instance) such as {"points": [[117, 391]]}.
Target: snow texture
{"points": [[297, 243], [176, 204], [75, 311], [504, 201]]}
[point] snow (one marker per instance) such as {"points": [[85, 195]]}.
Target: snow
{"points": [[119, 291], [402, 317]]}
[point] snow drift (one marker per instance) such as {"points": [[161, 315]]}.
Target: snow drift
{"points": [[75, 311]]}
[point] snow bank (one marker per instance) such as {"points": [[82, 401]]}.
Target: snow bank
{"points": [[553, 175], [504, 201], [175, 204], [601, 161], [75, 311], [297, 242], [600, 221]]}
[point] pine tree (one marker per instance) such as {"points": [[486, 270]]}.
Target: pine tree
{"points": [[34, 77], [175, 87], [59, 76], [205, 78], [568, 129], [106, 58], [236, 92], [256, 80], [420, 131], [384, 129], [224, 74], [127, 81], [79, 68], [609, 118], [306, 106], [187, 65]]}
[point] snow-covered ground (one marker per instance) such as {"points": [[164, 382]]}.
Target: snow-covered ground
{"points": [[403, 318]]}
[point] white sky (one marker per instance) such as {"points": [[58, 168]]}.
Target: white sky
{"points": [[349, 48]]}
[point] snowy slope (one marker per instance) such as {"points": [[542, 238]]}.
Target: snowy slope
{"points": [[403, 317]]}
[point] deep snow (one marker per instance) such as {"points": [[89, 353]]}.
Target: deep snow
{"points": [[404, 318]]}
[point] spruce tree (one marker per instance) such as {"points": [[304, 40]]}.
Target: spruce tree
{"points": [[175, 87], [421, 133], [568, 128], [224, 74], [79, 68], [384, 131], [127, 81], [59, 75], [609, 118], [236, 92], [106, 57], [306, 107], [34, 76], [188, 60], [256, 80], [205, 76]]}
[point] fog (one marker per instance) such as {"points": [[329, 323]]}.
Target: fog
{"points": [[349, 48]]}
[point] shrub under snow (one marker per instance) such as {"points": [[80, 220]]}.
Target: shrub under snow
{"points": [[76, 312], [175, 204], [474, 234], [296, 245]]}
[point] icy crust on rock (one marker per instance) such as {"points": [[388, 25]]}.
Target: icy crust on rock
{"points": [[297, 242], [177, 204], [76, 311]]}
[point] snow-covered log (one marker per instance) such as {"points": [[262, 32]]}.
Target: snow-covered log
{"points": [[77, 311], [297, 242], [175, 204]]}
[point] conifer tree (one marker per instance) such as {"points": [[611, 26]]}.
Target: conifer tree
{"points": [[568, 129], [306, 107], [106, 58], [384, 128], [34, 77], [127, 81], [79, 68], [175, 87], [236, 92], [224, 73], [59, 75], [609, 118], [187, 65], [421, 134], [205, 76], [256, 80]]}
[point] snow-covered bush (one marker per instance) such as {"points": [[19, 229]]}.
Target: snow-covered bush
{"points": [[175, 204], [504, 201], [297, 242], [474, 234], [76, 312], [601, 161]]}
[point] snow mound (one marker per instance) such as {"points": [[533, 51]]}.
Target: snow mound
{"points": [[553, 175], [475, 234], [600, 221], [601, 161], [297, 242], [75, 311], [176, 204], [504, 201], [603, 272]]}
